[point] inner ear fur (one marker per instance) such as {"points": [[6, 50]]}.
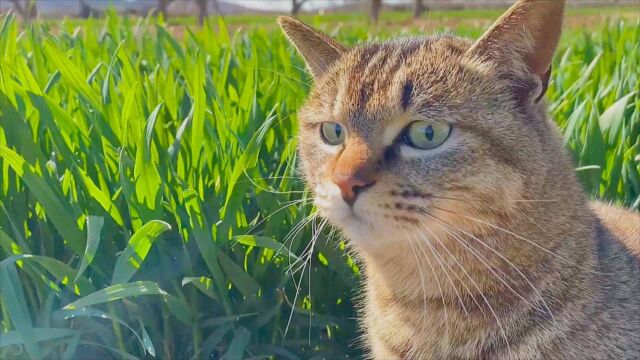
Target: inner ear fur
{"points": [[318, 50], [524, 38]]}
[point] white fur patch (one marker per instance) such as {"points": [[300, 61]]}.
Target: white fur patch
{"points": [[360, 223]]}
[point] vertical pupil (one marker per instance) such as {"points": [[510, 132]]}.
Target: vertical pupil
{"points": [[338, 130], [428, 132]]}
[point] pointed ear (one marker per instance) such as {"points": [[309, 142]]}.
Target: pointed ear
{"points": [[317, 49], [527, 33]]}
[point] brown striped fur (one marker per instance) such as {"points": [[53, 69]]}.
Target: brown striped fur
{"points": [[486, 247]]}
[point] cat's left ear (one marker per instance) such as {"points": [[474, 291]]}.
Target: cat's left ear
{"points": [[527, 34], [318, 50]]}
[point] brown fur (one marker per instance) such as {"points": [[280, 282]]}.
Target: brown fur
{"points": [[484, 248]]}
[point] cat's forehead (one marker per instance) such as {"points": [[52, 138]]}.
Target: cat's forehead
{"points": [[374, 80]]}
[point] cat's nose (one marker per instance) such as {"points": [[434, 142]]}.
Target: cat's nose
{"points": [[352, 185]]}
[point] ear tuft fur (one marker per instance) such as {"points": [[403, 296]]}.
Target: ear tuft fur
{"points": [[318, 50]]}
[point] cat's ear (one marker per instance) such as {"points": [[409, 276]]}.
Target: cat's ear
{"points": [[318, 50], [527, 34]]}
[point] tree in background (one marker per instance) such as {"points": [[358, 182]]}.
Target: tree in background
{"points": [[87, 11], [376, 6], [202, 10], [26, 9], [162, 8], [418, 8], [296, 6]]}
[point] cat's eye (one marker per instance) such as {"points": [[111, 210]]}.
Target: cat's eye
{"points": [[333, 133], [426, 135]]}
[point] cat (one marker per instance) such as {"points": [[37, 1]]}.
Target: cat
{"points": [[435, 158]]}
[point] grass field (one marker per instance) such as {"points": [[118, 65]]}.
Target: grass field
{"points": [[150, 205]]}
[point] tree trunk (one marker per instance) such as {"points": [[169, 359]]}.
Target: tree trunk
{"points": [[32, 10], [18, 8], [28, 11], [162, 8], [376, 6], [202, 13], [418, 8], [296, 6], [85, 10]]}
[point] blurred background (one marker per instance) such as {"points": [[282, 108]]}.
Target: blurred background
{"points": [[202, 8]]}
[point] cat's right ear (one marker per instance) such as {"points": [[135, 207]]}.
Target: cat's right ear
{"points": [[527, 34], [318, 50]]}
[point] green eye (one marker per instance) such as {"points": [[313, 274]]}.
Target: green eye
{"points": [[426, 135], [333, 133]]}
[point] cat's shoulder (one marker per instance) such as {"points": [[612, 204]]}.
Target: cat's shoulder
{"points": [[622, 223]]}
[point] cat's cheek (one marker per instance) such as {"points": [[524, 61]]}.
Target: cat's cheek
{"points": [[329, 202]]}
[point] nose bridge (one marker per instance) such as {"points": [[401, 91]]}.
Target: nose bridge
{"points": [[358, 159], [354, 170]]}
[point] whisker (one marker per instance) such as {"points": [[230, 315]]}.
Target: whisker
{"points": [[286, 205], [271, 191], [332, 233], [459, 265], [309, 295], [517, 236], [307, 261], [293, 233], [484, 201], [495, 316], [270, 178], [484, 261], [285, 76], [441, 260], [424, 292], [314, 238], [435, 276], [510, 263]]}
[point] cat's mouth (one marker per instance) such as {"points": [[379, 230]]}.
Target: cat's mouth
{"points": [[331, 205]]}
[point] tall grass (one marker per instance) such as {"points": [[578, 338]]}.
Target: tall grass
{"points": [[149, 189]]}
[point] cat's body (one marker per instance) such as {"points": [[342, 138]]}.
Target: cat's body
{"points": [[595, 307], [436, 159]]}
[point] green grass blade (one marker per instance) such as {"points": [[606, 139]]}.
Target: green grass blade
{"points": [[133, 256], [15, 302], [94, 227], [61, 217], [238, 344], [117, 292]]}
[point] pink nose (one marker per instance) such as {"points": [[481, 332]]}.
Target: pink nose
{"points": [[352, 185]]}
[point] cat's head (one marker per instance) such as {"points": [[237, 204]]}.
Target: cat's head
{"points": [[409, 134]]}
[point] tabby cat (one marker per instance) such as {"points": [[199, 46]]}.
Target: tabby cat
{"points": [[434, 156]]}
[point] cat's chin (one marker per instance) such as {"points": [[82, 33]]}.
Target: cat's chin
{"points": [[331, 207]]}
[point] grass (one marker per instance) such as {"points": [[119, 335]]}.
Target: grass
{"points": [[397, 18], [149, 188]]}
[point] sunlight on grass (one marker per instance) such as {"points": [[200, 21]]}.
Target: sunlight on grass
{"points": [[138, 161]]}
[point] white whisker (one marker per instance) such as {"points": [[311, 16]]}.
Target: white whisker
{"points": [[424, 292], [460, 266], [495, 316], [510, 263], [442, 260], [435, 276]]}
